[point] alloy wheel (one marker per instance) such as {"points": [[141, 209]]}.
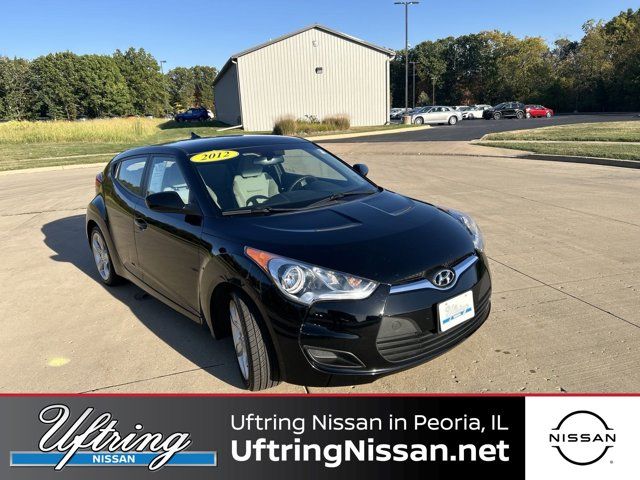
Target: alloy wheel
{"points": [[101, 256], [239, 341]]}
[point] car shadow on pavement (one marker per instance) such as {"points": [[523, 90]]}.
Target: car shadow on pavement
{"points": [[67, 238]]}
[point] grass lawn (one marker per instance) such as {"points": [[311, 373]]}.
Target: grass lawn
{"points": [[44, 144], [583, 132], [580, 149], [606, 140]]}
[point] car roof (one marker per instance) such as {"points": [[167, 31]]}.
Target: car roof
{"points": [[191, 146]]}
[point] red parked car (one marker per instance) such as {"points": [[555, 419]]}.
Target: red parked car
{"points": [[538, 111]]}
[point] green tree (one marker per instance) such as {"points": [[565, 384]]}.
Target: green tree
{"points": [[103, 90], [181, 86], [53, 81], [14, 88], [203, 85], [147, 87]]}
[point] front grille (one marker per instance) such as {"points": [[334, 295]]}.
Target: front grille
{"points": [[427, 344]]}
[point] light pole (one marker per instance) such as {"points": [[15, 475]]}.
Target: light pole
{"points": [[413, 65], [406, 51], [164, 82]]}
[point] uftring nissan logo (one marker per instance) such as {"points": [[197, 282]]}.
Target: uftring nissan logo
{"points": [[582, 437]]}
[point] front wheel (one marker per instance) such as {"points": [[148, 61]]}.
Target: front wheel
{"points": [[419, 121], [528, 115], [548, 114], [519, 115], [251, 349], [102, 258], [496, 116], [453, 120]]}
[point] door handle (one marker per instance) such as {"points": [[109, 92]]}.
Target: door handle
{"points": [[140, 223]]}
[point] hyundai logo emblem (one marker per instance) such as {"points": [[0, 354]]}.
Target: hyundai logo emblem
{"points": [[444, 278]]}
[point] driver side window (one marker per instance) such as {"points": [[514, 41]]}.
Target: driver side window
{"points": [[165, 175]]}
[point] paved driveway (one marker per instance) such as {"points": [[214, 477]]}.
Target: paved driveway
{"points": [[563, 241], [475, 129]]}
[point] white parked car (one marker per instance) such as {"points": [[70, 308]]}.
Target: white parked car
{"points": [[435, 114], [473, 111]]}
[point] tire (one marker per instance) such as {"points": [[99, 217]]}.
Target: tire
{"points": [[102, 258], [528, 115], [418, 121], [252, 352], [548, 115], [496, 116], [519, 115], [453, 120]]}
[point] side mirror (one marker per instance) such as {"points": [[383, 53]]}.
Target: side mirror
{"points": [[169, 202], [361, 169]]}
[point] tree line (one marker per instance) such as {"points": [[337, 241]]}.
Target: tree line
{"points": [[67, 86], [600, 72]]}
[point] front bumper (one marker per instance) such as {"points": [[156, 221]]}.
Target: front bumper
{"points": [[386, 332]]}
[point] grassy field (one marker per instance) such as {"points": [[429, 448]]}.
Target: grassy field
{"points": [[43, 144], [605, 140], [583, 132], [580, 149]]}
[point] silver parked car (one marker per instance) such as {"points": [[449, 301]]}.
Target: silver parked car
{"points": [[436, 114]]}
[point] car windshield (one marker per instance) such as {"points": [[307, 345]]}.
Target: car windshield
{"points": [[277, 177]]}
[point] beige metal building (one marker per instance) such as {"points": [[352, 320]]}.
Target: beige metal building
{"points": [[314, 71]]}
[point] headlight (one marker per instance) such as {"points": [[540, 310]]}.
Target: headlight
{"points": [[471, 225], [307, 283]]}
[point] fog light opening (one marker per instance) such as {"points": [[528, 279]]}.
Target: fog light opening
{"points": [[333, 358]]}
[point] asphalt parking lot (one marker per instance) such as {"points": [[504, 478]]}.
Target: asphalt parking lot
{"points": [[565, 258], [475, 129]]}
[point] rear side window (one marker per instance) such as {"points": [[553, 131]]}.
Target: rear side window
{"points": [[129, 174]]}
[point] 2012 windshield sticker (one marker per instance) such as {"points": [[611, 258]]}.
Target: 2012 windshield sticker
{"points": [[214, 156], [100, 444]]}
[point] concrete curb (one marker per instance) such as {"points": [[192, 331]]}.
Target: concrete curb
{"points": [[366, 134], [550, 157], [609, 162], [52, 169]]}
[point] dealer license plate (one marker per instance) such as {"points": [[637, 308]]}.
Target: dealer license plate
{"points": [[455, 311]]}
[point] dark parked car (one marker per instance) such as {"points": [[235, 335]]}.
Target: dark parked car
{"points": [[505, 110], [198, 114], [320, 276]]}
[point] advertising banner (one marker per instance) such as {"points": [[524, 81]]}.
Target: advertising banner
{"points": [[103, 437]]}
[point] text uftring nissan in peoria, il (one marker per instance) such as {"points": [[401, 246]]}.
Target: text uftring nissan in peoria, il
{"points": [[320, 276]]}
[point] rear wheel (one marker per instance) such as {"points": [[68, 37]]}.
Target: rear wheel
{"points": [[453, 120], [519, 115], [528, 115], [252, 352], [102, 258], [548, 114], [419, 121]]}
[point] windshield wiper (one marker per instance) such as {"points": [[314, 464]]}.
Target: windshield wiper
{"points": [[339, 195], [247, 211]]}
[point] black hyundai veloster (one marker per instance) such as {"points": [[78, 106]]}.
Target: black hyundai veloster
{"points": [[320, 276]]}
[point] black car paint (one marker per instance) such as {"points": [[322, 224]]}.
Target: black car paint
{"points": [[505, 110], [189, 260]]}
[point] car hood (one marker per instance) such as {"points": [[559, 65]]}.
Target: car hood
{"points": [[385, 237]]}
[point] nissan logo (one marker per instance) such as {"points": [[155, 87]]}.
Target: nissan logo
{"points": [[444, 278], [582, 437]]}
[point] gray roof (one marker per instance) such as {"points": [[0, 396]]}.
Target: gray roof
{"points": [[317, 26]]}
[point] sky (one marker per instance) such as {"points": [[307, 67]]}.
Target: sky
{"points": [[207, 32]]}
